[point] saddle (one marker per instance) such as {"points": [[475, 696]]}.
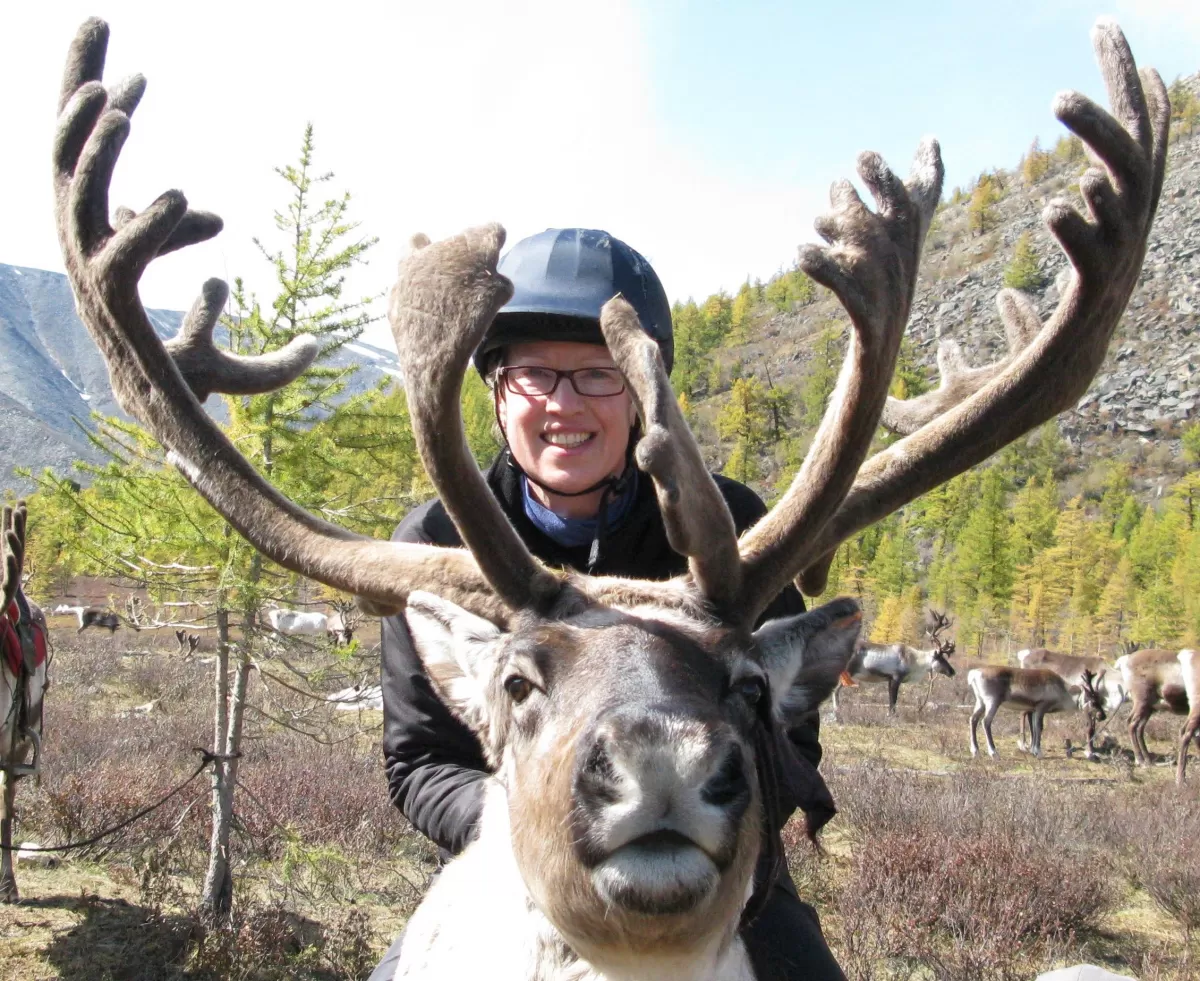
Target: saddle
{"points": [[22, 641]]}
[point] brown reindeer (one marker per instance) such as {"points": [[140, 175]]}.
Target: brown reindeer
{"points": [[629, 722], [23, 681], [1071, 668], [899, 663], [1189, 666], [1154, 679], [1035, 693]]}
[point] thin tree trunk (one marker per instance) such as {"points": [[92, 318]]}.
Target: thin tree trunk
{"points": [[217, 897]]}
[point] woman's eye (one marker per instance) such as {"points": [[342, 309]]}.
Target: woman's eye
{"points": [[518, 688]]}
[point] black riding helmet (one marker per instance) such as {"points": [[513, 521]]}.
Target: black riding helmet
{"points": [[561, 278]]}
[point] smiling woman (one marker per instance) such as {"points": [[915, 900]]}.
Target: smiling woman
{"points": [[566, 480]]}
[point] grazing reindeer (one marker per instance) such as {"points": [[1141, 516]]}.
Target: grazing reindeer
{"points": [[1154, 679], [23, 681], [1071, 668], [187, 642], [92, 616], [1035, 692], [632, 724], [297, 623], [1189, 666], [899, 663]]}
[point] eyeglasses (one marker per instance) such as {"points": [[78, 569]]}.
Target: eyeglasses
{"points": [[541, 381]]}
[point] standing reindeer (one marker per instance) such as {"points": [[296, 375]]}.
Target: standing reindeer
{"points": [[92, 616], [632, 724], [1189, 666], [899, 663], [1155, 681], [1035, 693], [23, 681], [1071, 668]]}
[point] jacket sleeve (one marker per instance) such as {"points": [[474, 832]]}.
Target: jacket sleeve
{"points": [[435, 766]]}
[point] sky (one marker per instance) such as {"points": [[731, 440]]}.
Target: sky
{"points": [[704, 134]]}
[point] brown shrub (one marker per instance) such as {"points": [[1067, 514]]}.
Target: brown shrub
{"points": [[1163, 858]]}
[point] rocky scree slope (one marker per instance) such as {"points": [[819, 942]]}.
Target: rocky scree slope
{"points": [[1149, 387]]}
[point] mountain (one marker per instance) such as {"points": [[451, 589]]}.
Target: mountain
{"points": [[52, 376]]}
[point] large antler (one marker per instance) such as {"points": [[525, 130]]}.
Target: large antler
{"points": [[12, 546], [973, 415], [105, 264], [871, 264], [698, 522]]}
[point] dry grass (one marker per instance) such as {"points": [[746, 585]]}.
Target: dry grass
{"points": [[938, 866]]}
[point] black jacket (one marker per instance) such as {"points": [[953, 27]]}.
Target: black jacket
{"points": [[435, 765]]}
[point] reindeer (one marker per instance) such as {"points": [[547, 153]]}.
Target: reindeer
{"points": [[1071, 668], [899, 663], [1035, 692], [1155, 681], [1189, 666], [297, 623], [23, 682], [630, 723], [92, 616], [343, 623]]}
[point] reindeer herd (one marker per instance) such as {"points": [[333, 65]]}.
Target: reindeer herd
{"points": [[631, 724]]}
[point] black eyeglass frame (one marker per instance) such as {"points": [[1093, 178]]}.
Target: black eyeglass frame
{"points": [[503, 373]]}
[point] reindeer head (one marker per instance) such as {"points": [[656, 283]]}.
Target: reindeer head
{"points": [[643, 730], [1091, 698], [939, 662], [599, 696]]}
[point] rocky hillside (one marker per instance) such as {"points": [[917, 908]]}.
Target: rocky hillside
{"points": [[52, 378], [1149, 388]]}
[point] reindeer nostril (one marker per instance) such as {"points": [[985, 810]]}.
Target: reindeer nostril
{"points": [[597, 777], [729, 783]]}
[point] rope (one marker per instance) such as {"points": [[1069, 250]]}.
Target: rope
{"points": [[205, 759]]}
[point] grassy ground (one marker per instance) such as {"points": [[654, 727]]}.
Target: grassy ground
{"points": [[939, 866]]}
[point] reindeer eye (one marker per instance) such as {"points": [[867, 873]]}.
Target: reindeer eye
{"points": [[751, 690], [518, 688]]}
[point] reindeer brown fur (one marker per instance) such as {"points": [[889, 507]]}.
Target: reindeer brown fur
{"points": [[1035, 693], [21, 693], [1154, 680], [1189, 666], [625, 718], [1071, 668]]}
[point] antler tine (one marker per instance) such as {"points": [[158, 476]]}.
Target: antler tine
{"points": [[12, 545], [698, 522], [206, 368], [871, 264], [445, 298], [1053, 370], [958, 380], [105, 266]]}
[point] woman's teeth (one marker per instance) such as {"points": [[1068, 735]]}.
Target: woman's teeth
{"points": [[566, 439]]}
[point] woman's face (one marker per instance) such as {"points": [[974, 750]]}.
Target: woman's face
{"points": [[565, 440]]}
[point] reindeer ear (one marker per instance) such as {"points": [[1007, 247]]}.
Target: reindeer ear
{"points": [[458, 651], [805, 654]]}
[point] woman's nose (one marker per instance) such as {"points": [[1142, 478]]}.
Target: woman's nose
{"points": [[565, 399]]}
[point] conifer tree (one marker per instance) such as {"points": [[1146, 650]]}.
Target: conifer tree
{"points": [[1035, 164], [981, 212], [1117, 609], [1024, 273], [818, 386]]}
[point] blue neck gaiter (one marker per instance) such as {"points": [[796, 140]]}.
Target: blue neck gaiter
{"points": [[575, 532]]}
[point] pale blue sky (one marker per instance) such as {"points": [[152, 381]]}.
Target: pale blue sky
{"points": [[705, 134]]}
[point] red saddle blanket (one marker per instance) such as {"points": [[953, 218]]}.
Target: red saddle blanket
{"points": [[10, 640]]}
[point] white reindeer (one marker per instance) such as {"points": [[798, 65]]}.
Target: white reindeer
{"points": [[630, 723], [298, 623], [898, 663]]}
